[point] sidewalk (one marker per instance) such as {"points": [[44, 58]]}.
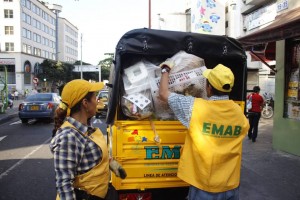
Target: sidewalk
{"points": [[268, 174], [10, 112]]}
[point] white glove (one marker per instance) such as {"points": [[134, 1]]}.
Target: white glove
{"points": [[116, 168], [168, 63]]}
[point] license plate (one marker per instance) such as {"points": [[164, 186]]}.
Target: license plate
{"points": [[34, 107]]}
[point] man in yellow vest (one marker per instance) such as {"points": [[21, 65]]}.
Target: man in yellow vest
{"points": [[211, 158]]}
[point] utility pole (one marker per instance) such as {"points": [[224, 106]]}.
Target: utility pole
{"points": [[81, 75], [149, 14], [99, 73]]}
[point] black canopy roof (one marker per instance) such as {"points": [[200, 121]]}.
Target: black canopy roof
{"points": [[157, 45]]}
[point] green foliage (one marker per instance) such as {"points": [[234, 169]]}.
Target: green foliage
{"points": [[105, 66], [55, 72]]}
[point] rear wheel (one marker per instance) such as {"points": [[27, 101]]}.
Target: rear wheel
{"points": [[24, 121], [267, 113]]}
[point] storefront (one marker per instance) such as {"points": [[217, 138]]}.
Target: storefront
{"points": [[284, 31]]}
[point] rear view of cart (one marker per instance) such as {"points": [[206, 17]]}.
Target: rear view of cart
{"points": [[149, 146]]}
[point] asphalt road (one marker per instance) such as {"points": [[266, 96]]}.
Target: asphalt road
{"points": [[26, 163]]}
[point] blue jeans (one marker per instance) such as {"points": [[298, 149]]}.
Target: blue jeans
{"points": [[197, 194], [253, 121]]}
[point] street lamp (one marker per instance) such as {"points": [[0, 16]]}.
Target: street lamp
{"points": [[81, 77], [45, 84]]}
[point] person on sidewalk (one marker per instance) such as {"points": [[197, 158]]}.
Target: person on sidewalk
{"points": [[81, 157], [255, 112], [16, 95], [211, 158]]}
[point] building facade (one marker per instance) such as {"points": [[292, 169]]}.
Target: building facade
{"points": [[28, 35], [67, 41], [269, 30], [272, 33]]}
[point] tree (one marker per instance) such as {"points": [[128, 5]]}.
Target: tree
{"points": [[55, 73], [105, 66]]}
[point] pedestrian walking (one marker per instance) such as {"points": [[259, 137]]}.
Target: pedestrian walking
{"points": [[211, 158], [16, 95], [81, 157], [26, 92], [254, 113]]}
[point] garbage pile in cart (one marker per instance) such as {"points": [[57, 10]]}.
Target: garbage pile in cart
{"points": [[141, 86]]}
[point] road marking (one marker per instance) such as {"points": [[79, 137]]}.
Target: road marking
{"points": [[17, 122], [1, 138], [23, 159], [97, 121], [31, 121]]}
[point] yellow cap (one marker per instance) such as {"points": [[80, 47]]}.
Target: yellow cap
{"points": [[75, 90], [220, 77]]}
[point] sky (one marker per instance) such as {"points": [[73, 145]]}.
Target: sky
{"points": [[103, 22]]}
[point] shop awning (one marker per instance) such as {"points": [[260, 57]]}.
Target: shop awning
{"points": [[285, 25]]}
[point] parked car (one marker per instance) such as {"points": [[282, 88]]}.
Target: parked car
{"points": [[102, 99], [39, 106]]}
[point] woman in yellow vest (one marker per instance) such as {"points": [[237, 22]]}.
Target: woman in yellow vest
{"points": [[81, 159], [211, 158]]}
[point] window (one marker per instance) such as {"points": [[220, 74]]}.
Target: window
{"points": [[24, 48], [34, 37], [8, 0], [38, 25], [38, 38], [28, 19], [29, 49], [33, 22], [28, 35], [9, 46], [24, 32], [33, 8], [23, 17], [8, 13], [38, 52], [38, 10], [9, 30], [292, 80], [28, 4]]}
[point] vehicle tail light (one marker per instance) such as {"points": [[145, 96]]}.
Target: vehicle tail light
{"points": [[21, 106], [50, 106]]}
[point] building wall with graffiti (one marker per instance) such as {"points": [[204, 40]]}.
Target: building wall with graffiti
{"points": [[208, 16]]}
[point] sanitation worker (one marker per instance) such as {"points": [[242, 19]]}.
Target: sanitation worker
{"points": [[81, 159], [211, 158]]}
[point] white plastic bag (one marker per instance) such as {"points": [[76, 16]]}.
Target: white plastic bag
{"points": [[185, 62], [249, 103]]}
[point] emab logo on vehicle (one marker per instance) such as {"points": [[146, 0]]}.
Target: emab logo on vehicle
{"points": [[165, 152]]}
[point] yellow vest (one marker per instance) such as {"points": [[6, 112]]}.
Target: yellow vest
{"points": [[211, 157], [95, 181]]}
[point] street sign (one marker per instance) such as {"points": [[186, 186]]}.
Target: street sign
{"points": [[35, 80]]}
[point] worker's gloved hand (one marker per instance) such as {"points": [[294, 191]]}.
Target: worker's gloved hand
{"points": [[167, 64], [117, 169]]}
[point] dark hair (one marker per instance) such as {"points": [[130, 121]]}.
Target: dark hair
{"points": [[256, 88], [217, 92], [61, 114]]}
